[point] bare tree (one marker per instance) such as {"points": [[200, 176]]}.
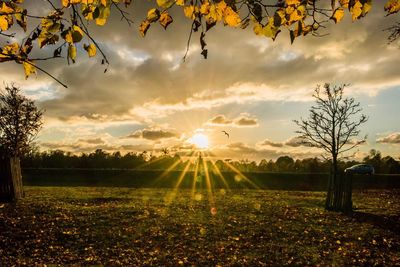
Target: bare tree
{"points": [[333, 125], [394, 31], [20, 121]]}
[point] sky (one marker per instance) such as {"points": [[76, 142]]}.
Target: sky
{"points": [[249, 86]]}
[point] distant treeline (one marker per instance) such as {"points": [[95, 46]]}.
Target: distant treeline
{"points": [[101, 159]]}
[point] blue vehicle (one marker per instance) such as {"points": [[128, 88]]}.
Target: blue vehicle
{"points": [[360, 169]]}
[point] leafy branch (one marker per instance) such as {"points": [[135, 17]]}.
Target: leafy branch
{"points": [[68, 24]]}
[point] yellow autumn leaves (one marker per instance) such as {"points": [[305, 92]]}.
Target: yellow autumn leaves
{"points": [[97, 10], [154, 15], [212, 12], [50, 27], [357, 9], [72, 36], [8, 52], [9, 11], [49, 30], [165, 3], [215, 12], [66, 24], [90, 49], [338, 15], [294, 15], [104, 3], [392, 6], [18, 54]]}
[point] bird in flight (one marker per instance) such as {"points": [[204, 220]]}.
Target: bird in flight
{"points": [[225, 133]]}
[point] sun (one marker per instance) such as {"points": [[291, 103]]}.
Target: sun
{"points": [[200, 140]]}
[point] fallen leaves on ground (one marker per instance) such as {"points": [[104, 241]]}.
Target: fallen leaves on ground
{"points": [[120, 227]]}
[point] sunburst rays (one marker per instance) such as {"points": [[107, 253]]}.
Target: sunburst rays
{"points": [[201, 174], [241, 175]]}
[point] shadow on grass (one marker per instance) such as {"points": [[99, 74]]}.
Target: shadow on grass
{"points": [[97, 201], [391, 223]]}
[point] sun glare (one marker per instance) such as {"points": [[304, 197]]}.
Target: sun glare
{"points": [[200, 140]]}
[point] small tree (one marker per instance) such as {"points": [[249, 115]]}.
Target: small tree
{"points": [[332, 125], [20, 121]]}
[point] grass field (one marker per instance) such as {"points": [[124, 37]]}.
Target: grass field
{"points": [[131, 227]]}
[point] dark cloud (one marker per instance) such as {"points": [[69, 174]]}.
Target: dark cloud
{"points": [[267, 142], [241, 147], [136, 134], [243, 120], [77, 147], [94, 141], [84, 147], [56, 145], [356, 141], [295, 142], [291, 142], [220, 120], [152, 134], [393, 138]]}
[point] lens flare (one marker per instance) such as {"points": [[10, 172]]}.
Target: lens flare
{"points": [[200, 140], [213, 211]]}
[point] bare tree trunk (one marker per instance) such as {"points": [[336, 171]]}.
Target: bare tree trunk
{"points": [[348, 190], [329, 195], [337, 188], [11, 188], [339, 191]]}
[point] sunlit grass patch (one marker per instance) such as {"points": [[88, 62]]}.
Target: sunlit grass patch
{"points": [[125, 226]]}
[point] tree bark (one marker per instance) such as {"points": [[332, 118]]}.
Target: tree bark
{"points": [[348, 202], [329, 195], [339, 195], [11, 188]]}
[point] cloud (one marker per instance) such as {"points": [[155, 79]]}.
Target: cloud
{"points": [[241, 150], [246, 93], [291, 142], [153, 82], [153, 134], [355, 141], [94, 141], [267, 142], [243, 120], [393, 138], [246, 120], [295, 142], [76, 147], [147, 82], [219, 120], [146, 74], [85, 147]]}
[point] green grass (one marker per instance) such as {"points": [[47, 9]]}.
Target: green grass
{"points": [[125, 226]]}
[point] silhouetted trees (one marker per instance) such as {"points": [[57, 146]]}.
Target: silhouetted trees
{"points": [[285, 163], [20, 121], [381, 164], [101, 159]]}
